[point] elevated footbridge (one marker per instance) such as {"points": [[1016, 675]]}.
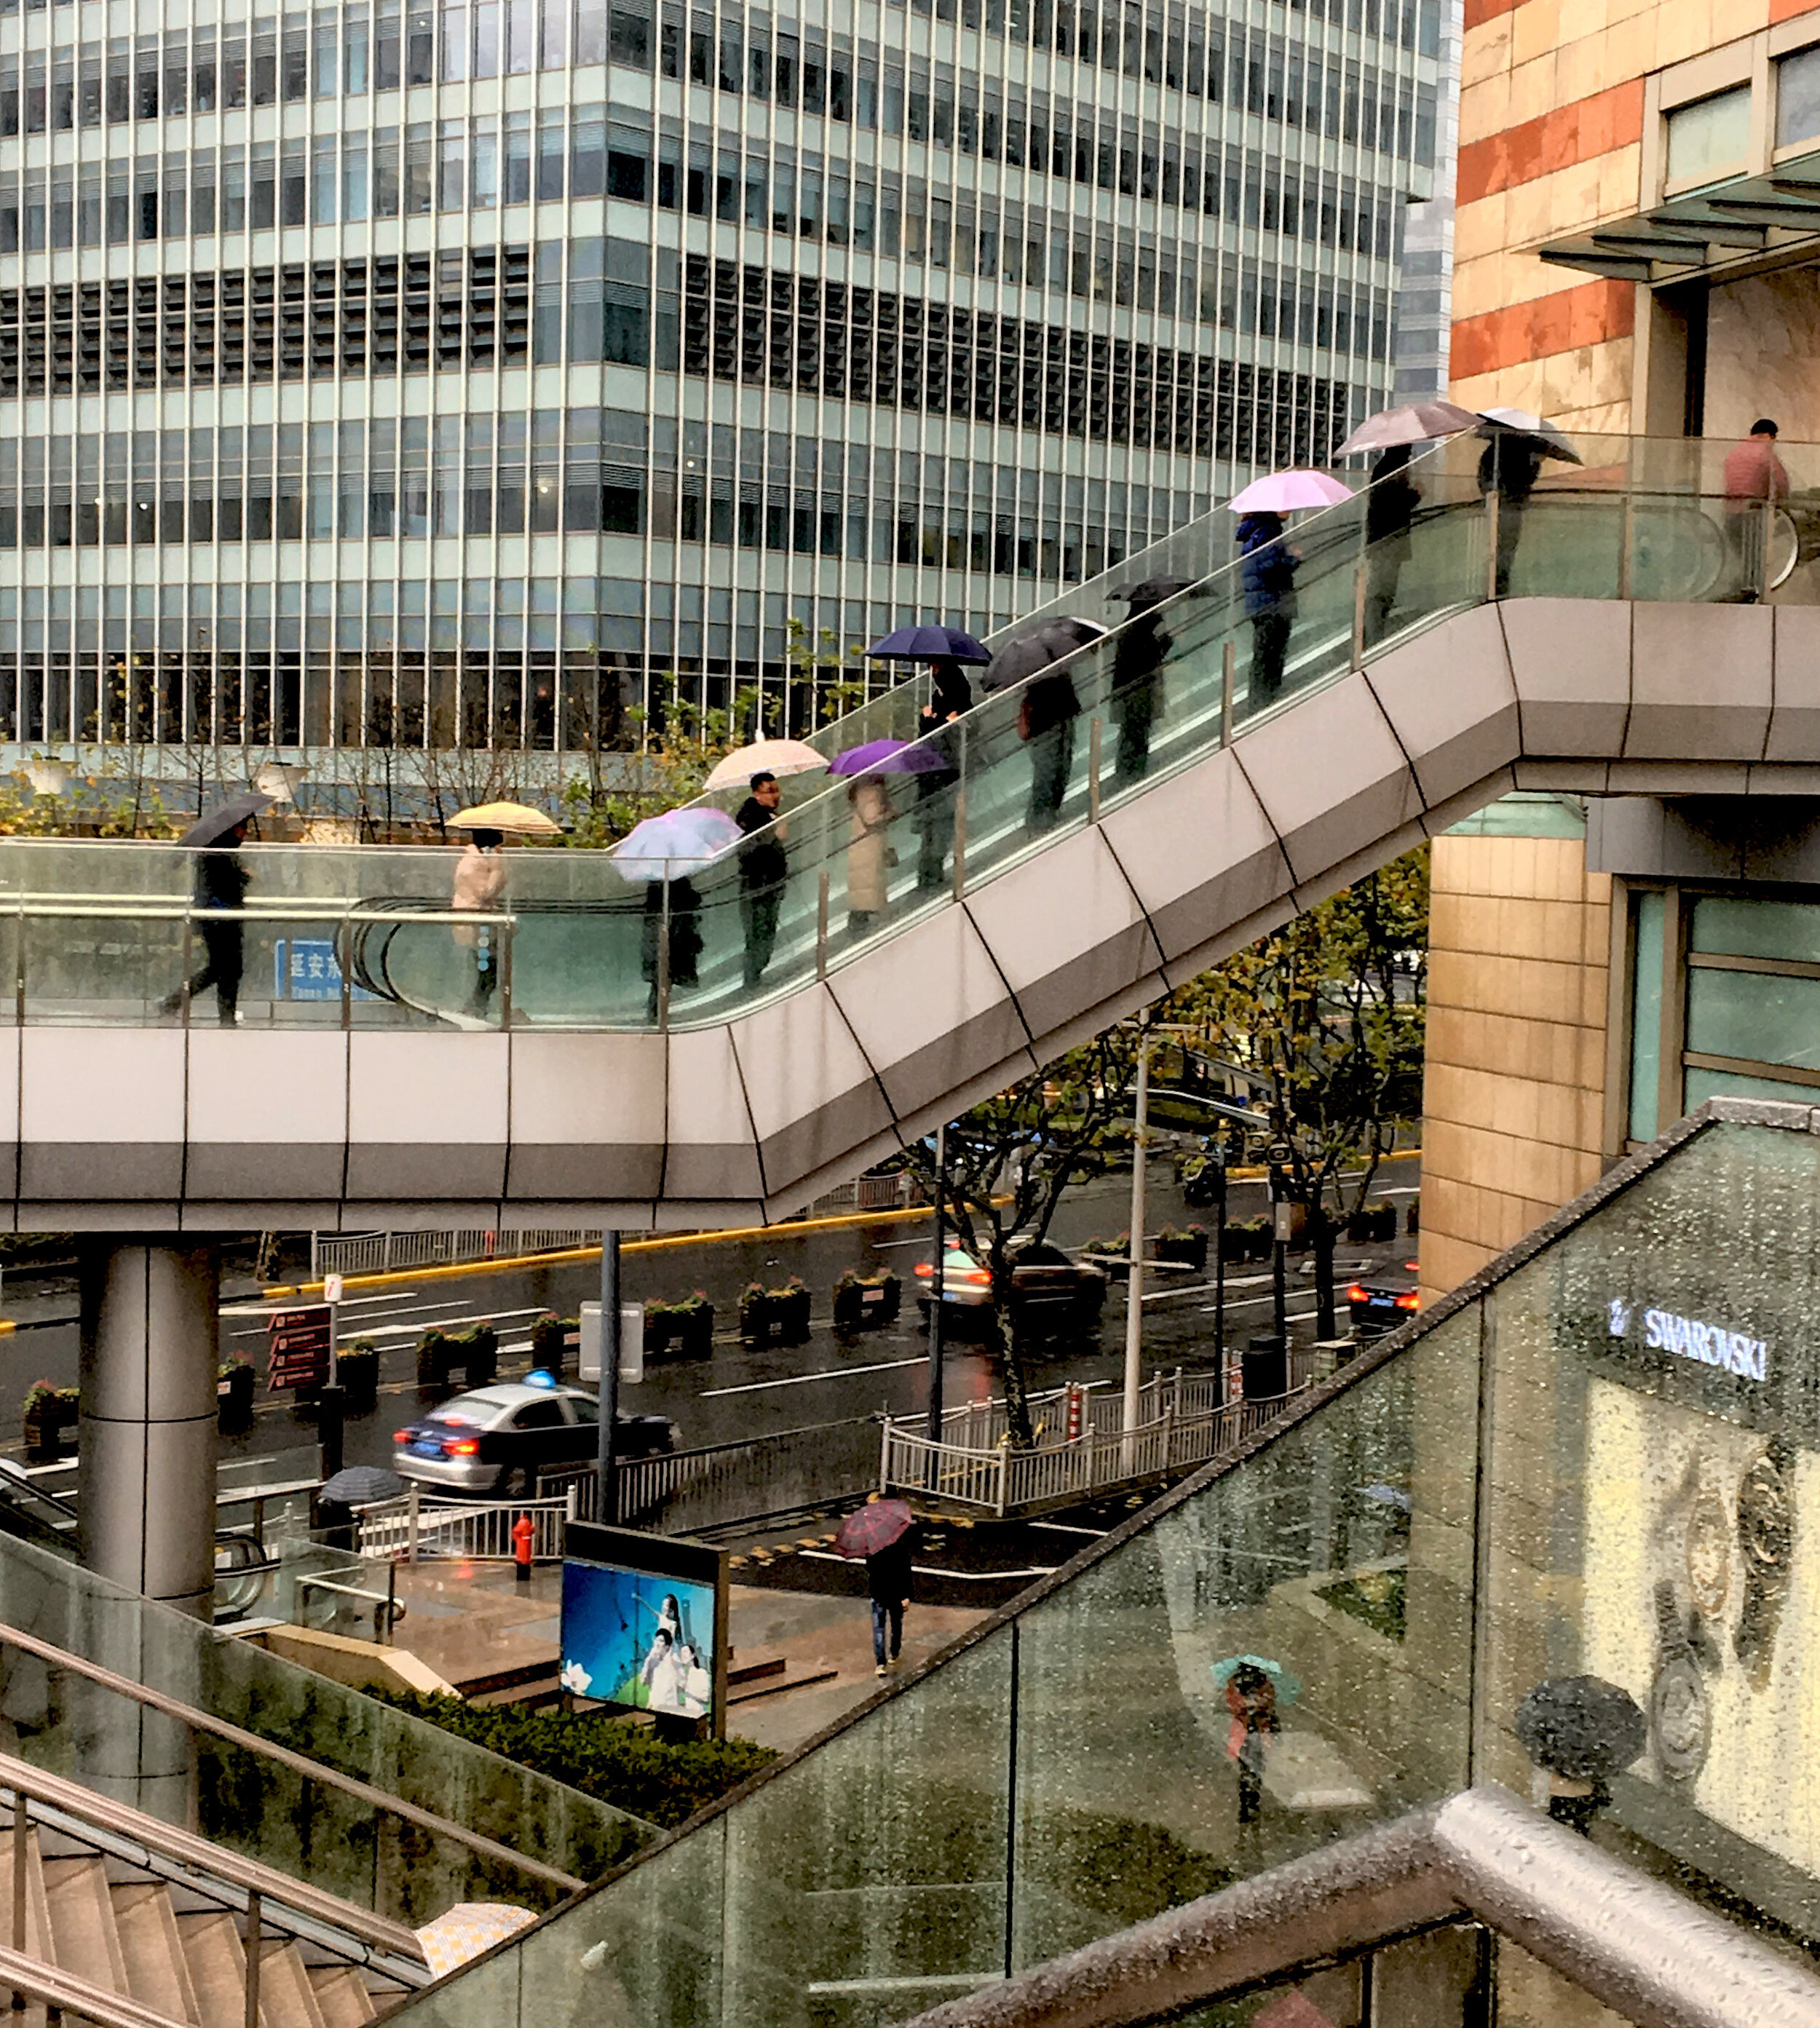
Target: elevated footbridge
{"points": [[622, 1070]]}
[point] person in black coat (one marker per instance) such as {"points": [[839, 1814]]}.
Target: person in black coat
{"points": [[1267, 579], [1046, 720], [1390, 506], [763, 867], [684, 937], [221, 883], [1137, 699], [888, 1581], [934, 819], [1509, 467]]}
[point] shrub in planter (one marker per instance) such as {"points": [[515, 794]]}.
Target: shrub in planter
{"points": [[780, 1313], [48, 1411], [1260, 1236], [686, 1325], [480, 1348], [435, 1356], [1234, 1243], [1113, 1255], [440, 1352], [358, 1366], [1187, 1244], [863, 1300], [234, 1384], [550, 1335]]}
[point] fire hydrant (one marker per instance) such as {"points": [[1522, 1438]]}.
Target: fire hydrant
{"points": [[523, 1534]]}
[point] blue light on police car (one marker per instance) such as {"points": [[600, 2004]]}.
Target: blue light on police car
{"points": [[539, 1377]]}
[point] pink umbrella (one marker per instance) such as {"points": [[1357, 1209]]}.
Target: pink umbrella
{"points": [[1284, 492], [1415, 422]]}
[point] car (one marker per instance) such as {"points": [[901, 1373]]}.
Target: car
{"points": [[1383, 1300], [498, 1439], [1048, 1290]]}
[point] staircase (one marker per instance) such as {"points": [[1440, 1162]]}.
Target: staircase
{"points": [[158, 1927]]}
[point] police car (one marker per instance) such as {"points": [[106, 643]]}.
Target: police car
{"points": [[498, 1439]]}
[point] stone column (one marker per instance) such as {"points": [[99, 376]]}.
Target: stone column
{"points": [[149, 1358]]}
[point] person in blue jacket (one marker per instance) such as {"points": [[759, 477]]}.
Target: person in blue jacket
{"points": [[1268, 576]]}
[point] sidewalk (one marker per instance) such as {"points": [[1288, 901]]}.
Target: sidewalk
{"points": [[474, 1624]]}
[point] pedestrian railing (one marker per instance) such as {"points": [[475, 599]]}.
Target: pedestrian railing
{"points": [[996, 1479], [377, 1253], [409, 1530], [787, 1472]]}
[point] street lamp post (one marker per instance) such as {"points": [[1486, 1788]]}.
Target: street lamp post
{"points": [[607, 1503], [936, 1285], [1134, 1304]]}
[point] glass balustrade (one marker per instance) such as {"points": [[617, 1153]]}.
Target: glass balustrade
{"points": [[337, 936]]}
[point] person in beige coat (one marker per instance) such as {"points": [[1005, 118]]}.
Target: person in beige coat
{"points": [[870, 857], [480, 884]]}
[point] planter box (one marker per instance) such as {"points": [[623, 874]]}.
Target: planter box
{"points": [[865, 1305], [44, 1436], [784, 1317], [234, 1398], [689, 1336], [1190, 1248], [482, 1363], [359, 1380]]}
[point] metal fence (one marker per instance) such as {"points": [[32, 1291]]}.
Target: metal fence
{"points": [[786, 1472], [409, 1530], [1184, 1428], [864, 1193], [375, 1252]]}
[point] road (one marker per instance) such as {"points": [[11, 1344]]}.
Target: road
{"points": [[738, 1391]]}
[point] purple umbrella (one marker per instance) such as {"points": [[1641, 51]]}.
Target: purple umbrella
{"points": [[875, 1526], [887, 757], [1286, 492]]}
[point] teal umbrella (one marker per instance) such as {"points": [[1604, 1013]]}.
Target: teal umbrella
{"points": [[1288, 1687]]}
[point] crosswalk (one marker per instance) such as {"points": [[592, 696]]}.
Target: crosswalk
{"points": [[387, 1314]]}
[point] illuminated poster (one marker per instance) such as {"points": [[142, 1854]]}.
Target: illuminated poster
{"points": [[643, 1624]]}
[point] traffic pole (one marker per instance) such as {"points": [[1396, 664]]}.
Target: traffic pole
{"points": [[933, 1427], [1135, 1302], [606, 1507]]}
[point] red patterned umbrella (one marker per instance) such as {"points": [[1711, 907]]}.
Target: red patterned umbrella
{"points": [[875, 1526]]}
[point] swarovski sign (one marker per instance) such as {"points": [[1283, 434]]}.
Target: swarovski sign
{"points": [[1689, 1337]]}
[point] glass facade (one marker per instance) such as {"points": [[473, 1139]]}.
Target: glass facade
{"points": [[695, 322], [1603, 1464]]}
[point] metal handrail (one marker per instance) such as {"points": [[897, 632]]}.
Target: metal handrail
{"points": [[197, 1854], [284, 1756], [1649, 1954], [62, 1991]]}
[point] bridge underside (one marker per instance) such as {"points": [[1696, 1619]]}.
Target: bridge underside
{"points": [[168, 1129]]}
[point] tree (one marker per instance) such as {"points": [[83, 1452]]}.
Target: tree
{"points": [[1010, 1160], [1328, 1014]]}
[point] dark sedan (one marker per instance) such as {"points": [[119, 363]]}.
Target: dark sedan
{"points": [[1383, 1300], [1049, 1291]]}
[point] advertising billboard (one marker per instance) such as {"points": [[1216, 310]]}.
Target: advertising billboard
{"points": [[644, 1625]]}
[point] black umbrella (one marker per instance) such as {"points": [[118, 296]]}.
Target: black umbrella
{"points": [[362, 1485], [1153, 591], [216, 823], [1581, 1726], [1044, 644]]}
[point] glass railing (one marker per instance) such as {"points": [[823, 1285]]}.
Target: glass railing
{"points": [[1601, 1464], [366, 937], [299, 1821]]}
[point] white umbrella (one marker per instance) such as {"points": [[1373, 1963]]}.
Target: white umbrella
{"points": [[676, 844], [1520, 422], [1286, 492], [765, 757]]}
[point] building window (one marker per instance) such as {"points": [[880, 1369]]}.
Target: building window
{"points": [[1709, 140], [1798, 97]]}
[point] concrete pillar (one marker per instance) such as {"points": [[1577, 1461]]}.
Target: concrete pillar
{"points": [[149, 1358]]}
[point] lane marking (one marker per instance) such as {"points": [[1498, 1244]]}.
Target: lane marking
{"points": [[802, 1379]]}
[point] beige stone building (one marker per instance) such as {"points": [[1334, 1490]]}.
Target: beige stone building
{"points": [[1637, 236]]}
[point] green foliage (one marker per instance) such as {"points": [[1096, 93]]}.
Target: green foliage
{"points": [[684, 1306], [625, 1765]]}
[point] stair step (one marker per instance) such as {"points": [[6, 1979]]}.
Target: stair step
{"points": [[341, 1994], [217, 1963], [286, 1998], [37, 1914], [158, 1972], [85, 1938]]}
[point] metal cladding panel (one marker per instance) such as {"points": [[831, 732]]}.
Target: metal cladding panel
{"points": [[1571, 660], [1678, 709]]}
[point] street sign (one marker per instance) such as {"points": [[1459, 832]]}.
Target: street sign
{"points": [[300, 1343], [331, 1289], [304, 968]]}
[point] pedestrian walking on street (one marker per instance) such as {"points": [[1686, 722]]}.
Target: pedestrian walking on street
{"points": [[1251, 1697], [951, 695], [1390, 506], [1753, 474], [763, 867], [479, 884], [888, 1581], [221, 884], [870, 857], [1267, 577]]}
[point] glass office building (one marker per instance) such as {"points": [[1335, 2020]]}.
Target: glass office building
{"points": [[384, 376]]}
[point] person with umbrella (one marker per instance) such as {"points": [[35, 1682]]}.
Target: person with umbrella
{"points": [[870, 854], [1046, 717], [221, 885], [882, 1532], [1254, 1688], [479, 886], [1582, 1730], [1138, 653], [1267, 580], [763, 867], [1508, 469], [950, 695], [664, 851], [1390, 507]]}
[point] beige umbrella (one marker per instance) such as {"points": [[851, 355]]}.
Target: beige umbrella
{"points": [[467, 1929], [504, 816], [765, 757]]}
